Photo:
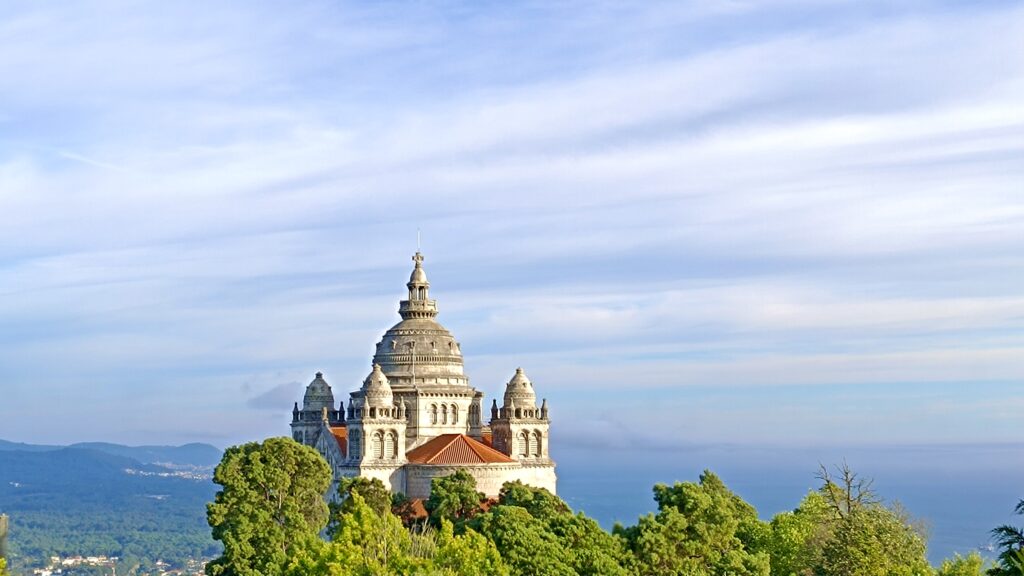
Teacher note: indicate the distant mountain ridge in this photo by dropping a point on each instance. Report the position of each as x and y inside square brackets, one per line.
[144, 502]
[194, 454]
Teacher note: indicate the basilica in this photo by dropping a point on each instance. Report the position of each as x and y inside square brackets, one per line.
[416, 417]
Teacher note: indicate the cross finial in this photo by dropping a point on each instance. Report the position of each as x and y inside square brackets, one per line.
[418, 259]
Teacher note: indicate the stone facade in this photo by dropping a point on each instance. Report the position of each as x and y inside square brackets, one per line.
[417, 418]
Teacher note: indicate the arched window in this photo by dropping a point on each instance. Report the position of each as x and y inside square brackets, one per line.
[390, 445]
[455, 414]
[538, 440]
[433, 413]
[524, 445]
[378, 445]
[444, 413]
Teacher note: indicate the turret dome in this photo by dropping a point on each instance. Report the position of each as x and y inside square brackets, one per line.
[377, 389]
[318, 395]
[519, 391]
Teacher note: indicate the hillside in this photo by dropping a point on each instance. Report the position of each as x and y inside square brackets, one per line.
[77, 500]
[195, 455]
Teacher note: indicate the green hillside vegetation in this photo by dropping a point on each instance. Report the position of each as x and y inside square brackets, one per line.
[269, 516]
[72, 501]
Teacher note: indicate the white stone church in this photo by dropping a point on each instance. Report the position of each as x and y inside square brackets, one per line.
[417, 418]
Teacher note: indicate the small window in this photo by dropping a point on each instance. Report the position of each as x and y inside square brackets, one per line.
[378, 445]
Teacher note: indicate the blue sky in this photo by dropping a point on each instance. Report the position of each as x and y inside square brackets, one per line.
[722, 222]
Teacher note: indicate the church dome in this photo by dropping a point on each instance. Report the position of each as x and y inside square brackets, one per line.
[318, 395]
[419, 275]
[419, 347]
[519, 391]
[377, 389]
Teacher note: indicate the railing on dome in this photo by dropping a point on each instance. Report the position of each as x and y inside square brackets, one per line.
[389, 358]
[417, 308]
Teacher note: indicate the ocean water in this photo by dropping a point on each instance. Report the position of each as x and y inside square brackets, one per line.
[960, 492]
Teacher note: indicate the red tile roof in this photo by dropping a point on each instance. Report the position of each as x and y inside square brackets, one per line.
[340, 434]
[487, 438]
[456, 449]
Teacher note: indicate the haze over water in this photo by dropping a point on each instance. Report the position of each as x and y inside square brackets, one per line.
[960, 492]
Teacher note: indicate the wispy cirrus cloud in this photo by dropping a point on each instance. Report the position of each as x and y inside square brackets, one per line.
[754, 194]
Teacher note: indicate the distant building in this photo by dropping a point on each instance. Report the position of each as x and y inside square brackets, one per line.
[417, 418]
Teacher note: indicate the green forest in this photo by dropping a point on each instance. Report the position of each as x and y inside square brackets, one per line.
[270, 517]
[79, 501]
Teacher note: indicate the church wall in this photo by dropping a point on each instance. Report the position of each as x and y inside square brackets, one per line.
[539, 476]
[392, 477]
[489, 477]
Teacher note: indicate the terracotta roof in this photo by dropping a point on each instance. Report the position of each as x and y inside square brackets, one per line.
[487, 439]
[414, 509]
[456, 449]
[340, 434]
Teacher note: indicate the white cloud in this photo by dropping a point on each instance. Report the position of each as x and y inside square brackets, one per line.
[221, 197]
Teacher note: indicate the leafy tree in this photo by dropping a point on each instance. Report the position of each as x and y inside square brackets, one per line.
[796, 537]
[971, 565]
[312, 556]
[591, 550]
[453, 498]
[845, 530]
[379, 541]
[540, 503]
[525, 544]
[374, 493]
[468, 554]
[1010, 540]
[3, 567]
[700, 529]
[271, 500]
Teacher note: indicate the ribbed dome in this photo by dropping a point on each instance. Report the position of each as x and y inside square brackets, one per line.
[318, 395]
[519, 391]
[377, 389]
[418, 345]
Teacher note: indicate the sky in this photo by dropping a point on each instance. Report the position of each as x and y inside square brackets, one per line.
[737, 222]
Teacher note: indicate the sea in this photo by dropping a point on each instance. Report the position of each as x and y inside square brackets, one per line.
[958, 492]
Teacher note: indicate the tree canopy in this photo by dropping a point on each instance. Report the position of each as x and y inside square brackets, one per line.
[454, 498]
[844, 529]
[270, 515]
[271, 500]
[700, 529]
